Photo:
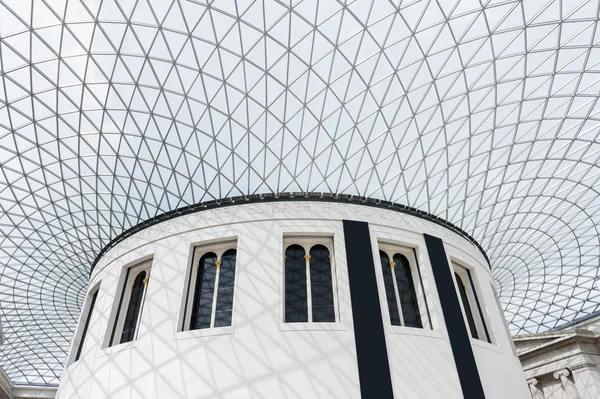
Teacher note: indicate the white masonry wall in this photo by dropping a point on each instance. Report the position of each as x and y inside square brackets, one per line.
[260, 356]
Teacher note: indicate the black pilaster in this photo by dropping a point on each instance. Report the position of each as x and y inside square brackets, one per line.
[460, 340]
[371, 350]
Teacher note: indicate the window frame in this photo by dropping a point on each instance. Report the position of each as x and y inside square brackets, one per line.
[410, 252]
[129, 275]
[199, 250]
[504, 323]
[397, 236]
[308, 240]
[85, 317]
[473, 296]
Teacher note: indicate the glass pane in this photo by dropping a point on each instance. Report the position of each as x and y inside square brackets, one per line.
[480, 311]
[323, 314]
[390, 295]
[296, 305]
[466, 306]
[203, 292]
[133, 310]
[225, 291]
[223, 318]
[406, 290]
[321, 285]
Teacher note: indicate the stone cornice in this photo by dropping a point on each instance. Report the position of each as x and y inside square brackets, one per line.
[577, 337]
[553, 334]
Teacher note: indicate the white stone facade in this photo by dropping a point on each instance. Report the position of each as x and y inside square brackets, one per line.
[563, 364]
[260, 356]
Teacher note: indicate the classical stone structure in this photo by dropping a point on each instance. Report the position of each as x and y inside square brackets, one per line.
[563, 363]
[10, 391]
[5, 386]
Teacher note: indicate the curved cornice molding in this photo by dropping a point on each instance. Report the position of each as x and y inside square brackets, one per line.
[287, 196]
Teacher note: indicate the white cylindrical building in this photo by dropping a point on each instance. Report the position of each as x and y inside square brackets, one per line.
[293, 298]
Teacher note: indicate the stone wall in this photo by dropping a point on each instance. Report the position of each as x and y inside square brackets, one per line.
[5, 386]
[561, 364]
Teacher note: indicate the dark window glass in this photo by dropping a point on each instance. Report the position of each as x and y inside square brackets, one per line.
[487, 333]
[406, 290]
[203, 292]
[86, 325]
[134, 308]
[321, 285]
[466, 306]
[225, 290]
[390, 294]
[296, 307]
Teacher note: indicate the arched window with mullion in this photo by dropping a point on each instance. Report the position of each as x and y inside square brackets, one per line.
[406, 291]
[296, 301]
[321, 285]
[204, 292]
[131, 303]
[134, 308]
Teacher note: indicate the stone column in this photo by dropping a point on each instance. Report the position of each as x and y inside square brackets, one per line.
[5, 386]
[567, 383]
[535, 387]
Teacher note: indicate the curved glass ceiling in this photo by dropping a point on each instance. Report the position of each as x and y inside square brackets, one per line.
[484, 113]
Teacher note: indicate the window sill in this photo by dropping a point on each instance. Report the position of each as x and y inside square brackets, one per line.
[485, 345]
[414, 331]
[111, 350]
[203, 332]
[312, 326]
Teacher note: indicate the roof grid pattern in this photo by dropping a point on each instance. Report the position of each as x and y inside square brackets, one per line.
[484, 113]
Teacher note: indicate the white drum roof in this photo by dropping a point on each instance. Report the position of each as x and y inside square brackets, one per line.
[111, 112]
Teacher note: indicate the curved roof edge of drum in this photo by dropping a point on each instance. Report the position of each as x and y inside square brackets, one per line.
[281, 197]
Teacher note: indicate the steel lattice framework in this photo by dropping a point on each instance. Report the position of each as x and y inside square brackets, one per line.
[484, 113]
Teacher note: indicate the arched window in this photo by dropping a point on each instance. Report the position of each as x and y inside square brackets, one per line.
[226, 283]
[390, 291]
[400, 292]
[466, 306]
[134, 308]
[209, 300]
[204, 292]
[87, 323]
[296, 304]
[406, 292]
[321, 285]
[309, 290]
[131, 303]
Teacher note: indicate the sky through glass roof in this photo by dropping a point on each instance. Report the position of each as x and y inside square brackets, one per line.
[111, 112]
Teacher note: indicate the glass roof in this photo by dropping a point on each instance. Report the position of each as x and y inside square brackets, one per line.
[484, 113]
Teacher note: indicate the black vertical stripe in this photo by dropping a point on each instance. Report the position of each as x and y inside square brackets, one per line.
[373, 364]
[457, 330]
